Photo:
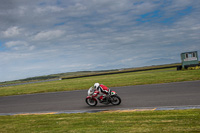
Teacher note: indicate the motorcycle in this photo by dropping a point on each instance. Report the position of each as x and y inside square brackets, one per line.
[92, 99]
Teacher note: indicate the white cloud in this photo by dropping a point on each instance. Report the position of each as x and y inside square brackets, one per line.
[48, 9]
[19, 45]
[143, 7]
[180, 4]
[48, 35]
[12, 32]
[77, 10]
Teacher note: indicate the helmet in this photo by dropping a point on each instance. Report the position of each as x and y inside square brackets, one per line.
[96, 85]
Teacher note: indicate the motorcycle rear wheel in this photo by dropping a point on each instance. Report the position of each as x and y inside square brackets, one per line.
[91, 101]
[115, 100]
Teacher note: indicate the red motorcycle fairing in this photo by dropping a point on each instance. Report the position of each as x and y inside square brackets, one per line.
[95, 94]
[88, 97]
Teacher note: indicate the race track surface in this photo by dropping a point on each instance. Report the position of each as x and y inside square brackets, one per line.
[139, 96]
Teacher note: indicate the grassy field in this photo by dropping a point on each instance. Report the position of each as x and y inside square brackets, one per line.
[130, 122]
[85, 73]
[114, 80]
[142, 121]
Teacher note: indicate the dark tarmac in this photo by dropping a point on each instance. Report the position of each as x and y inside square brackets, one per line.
[160, 96]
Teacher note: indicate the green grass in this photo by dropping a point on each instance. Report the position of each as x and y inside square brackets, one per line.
[85, 73]
[144, 121]
[113, 80]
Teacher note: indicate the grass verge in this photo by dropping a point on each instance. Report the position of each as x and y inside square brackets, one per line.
[144, 121]
[114, 80]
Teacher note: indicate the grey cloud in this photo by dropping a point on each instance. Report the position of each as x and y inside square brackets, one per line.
[45, 36]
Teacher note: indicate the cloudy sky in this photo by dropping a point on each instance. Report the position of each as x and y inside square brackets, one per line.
[41, 37]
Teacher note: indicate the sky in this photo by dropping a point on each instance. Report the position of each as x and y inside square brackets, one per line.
[42, 37]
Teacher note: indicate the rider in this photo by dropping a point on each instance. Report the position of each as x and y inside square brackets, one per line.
[103, 90]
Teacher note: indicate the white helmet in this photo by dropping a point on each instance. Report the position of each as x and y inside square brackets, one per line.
[96, 85]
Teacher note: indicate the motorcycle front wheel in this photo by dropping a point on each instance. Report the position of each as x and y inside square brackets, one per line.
[91, 101]
[115, 100]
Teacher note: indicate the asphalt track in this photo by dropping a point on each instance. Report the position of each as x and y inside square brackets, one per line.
[177, 94]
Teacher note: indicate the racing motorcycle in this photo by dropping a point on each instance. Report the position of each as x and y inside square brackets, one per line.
[92, 99]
